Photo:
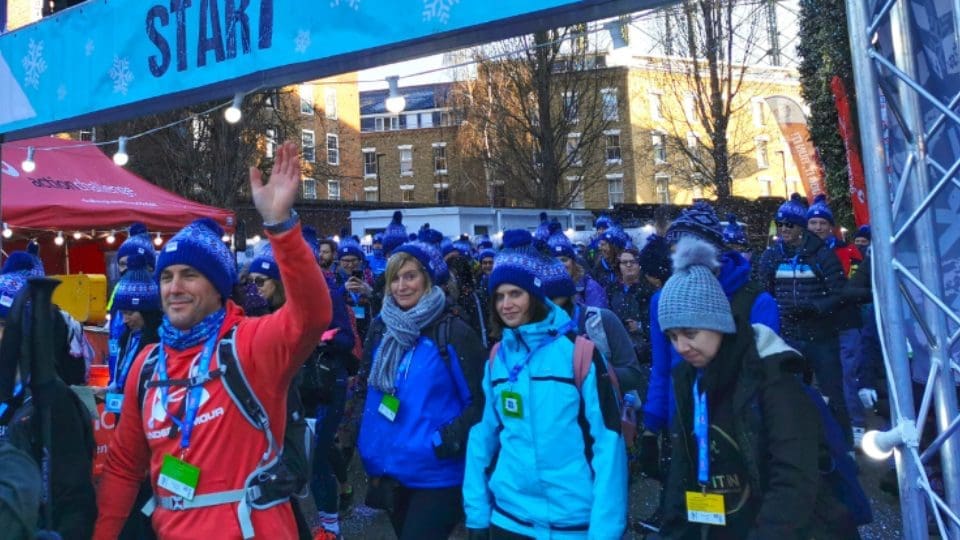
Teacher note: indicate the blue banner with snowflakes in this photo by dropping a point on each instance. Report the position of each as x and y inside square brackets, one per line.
[105, 60]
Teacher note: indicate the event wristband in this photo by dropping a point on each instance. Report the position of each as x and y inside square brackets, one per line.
[283, 226]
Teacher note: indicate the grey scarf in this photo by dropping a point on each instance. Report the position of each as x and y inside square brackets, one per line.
[402, 332]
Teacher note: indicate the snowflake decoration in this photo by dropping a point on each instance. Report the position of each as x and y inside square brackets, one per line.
[438, 9]
[121, 75]
[355, 4]
[61, 92]
[302, 43]
[33, 64]
[88, 48]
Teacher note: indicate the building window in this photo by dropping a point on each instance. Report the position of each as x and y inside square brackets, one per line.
[439, 158]
[765, 185]
[270, 142]
[394, 123]
[333, 149]
[611, 107]
[369, 162]
[697, 191]
[570, 107]
[662, 183]
[426, 120]
[613, 148]
[576, 196]
[443, 196]
[306, 99]
[370, 195]
[573, 149]
[690, 107]
[88, 134]
[759, 113]
[659, 148]
[412, 120]
[793, 184]
[330, 103]
[272, 99]
[656, 105]
[498, 194]
[693, 147]
[763, 159]
[378, 123]
[406, 195]
[615, 189]
[308, 143]
[406, 160]
[310, 189]
[333, 190]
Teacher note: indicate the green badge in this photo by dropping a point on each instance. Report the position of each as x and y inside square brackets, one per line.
[389, 406]
[178, 477]
[512, 404]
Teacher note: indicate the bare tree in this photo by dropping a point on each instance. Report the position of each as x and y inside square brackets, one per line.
[533, 116]
[207, 159]
[709, 45]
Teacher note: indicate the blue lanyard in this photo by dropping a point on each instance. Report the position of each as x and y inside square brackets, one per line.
[701, 429]
[16, 392]
[193, 393]
[514, 371]
[133, 343]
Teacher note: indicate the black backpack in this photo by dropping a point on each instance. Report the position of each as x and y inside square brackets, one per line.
[287, 476]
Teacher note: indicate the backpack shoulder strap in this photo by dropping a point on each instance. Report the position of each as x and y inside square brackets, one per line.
[146, 372]
[237, 385]
[741, 303]
[440, 334]
[582, 358]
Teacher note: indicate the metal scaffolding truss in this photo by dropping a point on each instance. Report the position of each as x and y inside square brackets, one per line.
[905, 67]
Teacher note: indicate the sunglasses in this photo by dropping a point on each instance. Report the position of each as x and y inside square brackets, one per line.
[785, 225]
[260, 281]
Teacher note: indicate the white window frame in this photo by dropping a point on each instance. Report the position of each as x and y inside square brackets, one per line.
[615, 196]
[333, 189]
[766, 185]
[309, 152]
[406, 193]
[413, 120]
[437, 189]
[442, 147]
[610, 115]
[379, 123]
[330, 103]
[333, 151]
[571, 109]
[690, 107]
[309, 186]
[793, 184]
[759, 114]
[426, 120]
[661, 183]
[371, 195]
[270, 142]
[406, 165]
[658, 140]
[574, 150]
[693, 145]
[619, 146]
[89, 134]
[762, 152]
[394, 122]
[366, 152]
[306, 99]
[579, 201]
[655, 97]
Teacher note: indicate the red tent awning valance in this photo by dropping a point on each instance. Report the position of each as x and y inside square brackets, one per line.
[76, 186]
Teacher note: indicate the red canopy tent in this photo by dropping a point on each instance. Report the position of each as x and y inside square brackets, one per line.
[75, 186]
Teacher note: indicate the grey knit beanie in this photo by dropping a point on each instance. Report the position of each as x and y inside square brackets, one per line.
[692, 297]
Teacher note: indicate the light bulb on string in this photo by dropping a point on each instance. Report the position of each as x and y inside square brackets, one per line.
[395, 103]
[59, 239]
[225, 238]
[233, 112]
[158, 240]
[77, 235]
[28, 164]
[112, 237]
[256, 239]
[7, 232]
[121, 158]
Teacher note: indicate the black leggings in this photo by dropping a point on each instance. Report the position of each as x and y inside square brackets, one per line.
[426, 514]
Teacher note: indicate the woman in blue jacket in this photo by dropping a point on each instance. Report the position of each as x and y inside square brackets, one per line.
[425, 366]
[557, 457]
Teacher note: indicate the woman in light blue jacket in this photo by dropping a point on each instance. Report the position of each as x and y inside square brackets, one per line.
[560, 465]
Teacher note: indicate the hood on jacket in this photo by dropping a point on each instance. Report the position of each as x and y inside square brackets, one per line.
[734, 272]
[531, 336]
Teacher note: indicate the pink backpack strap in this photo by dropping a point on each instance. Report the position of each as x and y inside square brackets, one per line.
[582, 358]
[493, 354]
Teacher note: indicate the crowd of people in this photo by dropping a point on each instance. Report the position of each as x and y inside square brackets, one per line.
[515, 390]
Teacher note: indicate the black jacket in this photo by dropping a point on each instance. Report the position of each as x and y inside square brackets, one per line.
[633, 303]
[765, 438]
[807, 284]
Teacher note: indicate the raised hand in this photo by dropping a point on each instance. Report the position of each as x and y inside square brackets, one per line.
[275, 198]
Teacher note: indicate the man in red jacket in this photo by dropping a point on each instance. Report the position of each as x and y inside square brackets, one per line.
[188, 435]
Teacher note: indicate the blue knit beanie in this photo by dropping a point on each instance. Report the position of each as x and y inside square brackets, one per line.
[395, 233]
[654, 258]
[137, 290]
[793, 211]
[430, 235]
[446, 247]
[483, 242]
[464, 246]
[349, 246]
[542, 233]
[700, 221]
[138, 242]
[429, 258]
[24, 263]
[616, 236]
[603, 221]
[557, 281]
[733, 233]
[200, 245]
[524, 270]
[693, 297]
[265, 264]
[820, 209]
[559, 245]
[518, 241]
[10, 285]
[863, 232]
[488, 253]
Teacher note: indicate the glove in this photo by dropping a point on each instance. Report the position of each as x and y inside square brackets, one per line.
[868, 396]
[478, 534]
[649, 455]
